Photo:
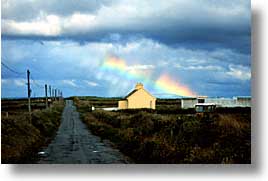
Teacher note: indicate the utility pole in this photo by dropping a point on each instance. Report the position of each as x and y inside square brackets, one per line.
[50, 100]
[55, 94]
[58, 94]
[52, 94]
[29, 94]
[50, 91]
[46, 95]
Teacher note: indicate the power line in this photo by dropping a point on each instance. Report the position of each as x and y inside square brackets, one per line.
[10, 69]
[37, 71]
[38, 85]
[30, 79]
[35, 82]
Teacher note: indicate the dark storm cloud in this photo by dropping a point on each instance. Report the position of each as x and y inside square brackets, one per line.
[196, 24]
[203, 44]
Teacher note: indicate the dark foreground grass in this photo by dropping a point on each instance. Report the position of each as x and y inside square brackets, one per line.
[153, 137]
[22, 138]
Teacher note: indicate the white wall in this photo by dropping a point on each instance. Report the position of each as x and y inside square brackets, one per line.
[220, 102]
[188, 103]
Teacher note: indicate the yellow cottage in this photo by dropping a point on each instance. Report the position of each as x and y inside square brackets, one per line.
[138, 98]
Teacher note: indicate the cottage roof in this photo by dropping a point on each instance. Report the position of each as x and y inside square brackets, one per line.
[132, 92]
[138, 87]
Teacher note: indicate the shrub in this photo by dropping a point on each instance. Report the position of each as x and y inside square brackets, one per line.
[172, 135]
[142, 123]
[21, 138]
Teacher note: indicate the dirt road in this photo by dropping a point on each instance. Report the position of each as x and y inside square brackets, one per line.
[74, 143]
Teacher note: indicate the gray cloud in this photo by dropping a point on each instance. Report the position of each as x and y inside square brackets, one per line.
[196, 24]
[205, 45]
[75, 65]
[28, 10]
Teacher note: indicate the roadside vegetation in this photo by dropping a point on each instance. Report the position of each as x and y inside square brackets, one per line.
[21, 138]
[174, 135]
[99, 102]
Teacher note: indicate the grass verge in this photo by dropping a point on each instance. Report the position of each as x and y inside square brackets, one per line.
[22, 138]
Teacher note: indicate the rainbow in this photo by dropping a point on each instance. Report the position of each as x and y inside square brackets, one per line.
[164, 82]
[115, 63]
[119, 66]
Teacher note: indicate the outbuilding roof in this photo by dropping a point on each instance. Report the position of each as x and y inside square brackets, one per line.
[205, 104]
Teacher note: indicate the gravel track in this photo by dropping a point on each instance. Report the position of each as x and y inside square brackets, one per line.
[75, 144]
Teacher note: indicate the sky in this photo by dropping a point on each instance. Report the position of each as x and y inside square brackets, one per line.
[104, 47]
